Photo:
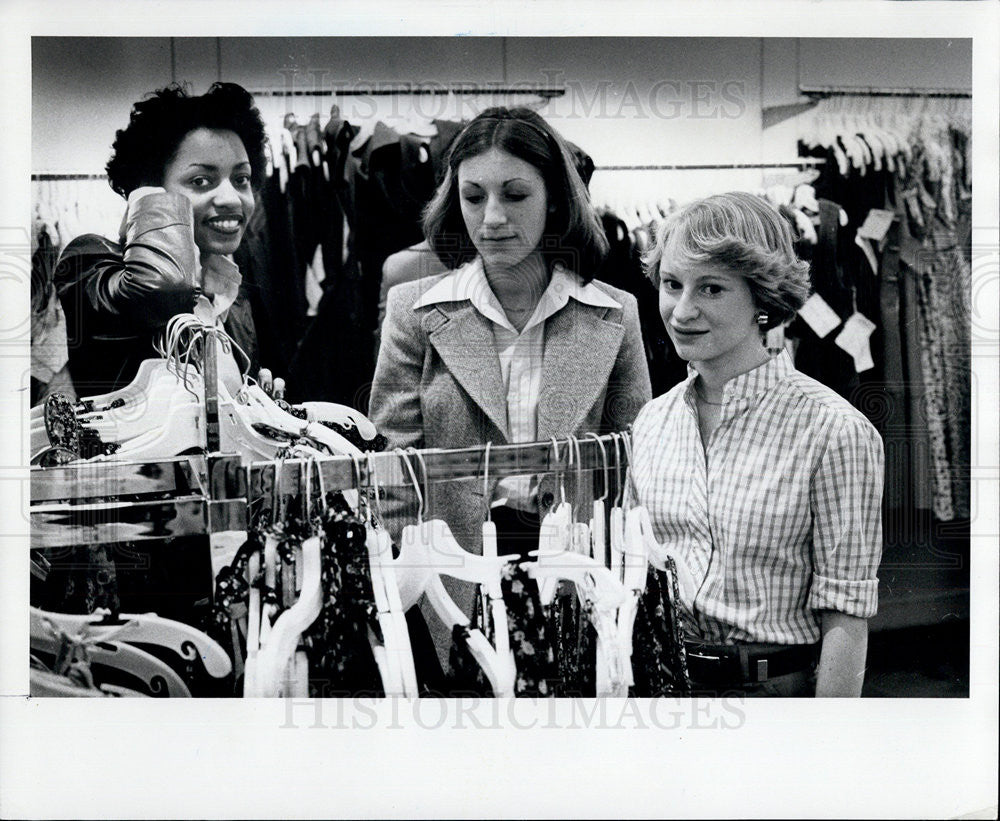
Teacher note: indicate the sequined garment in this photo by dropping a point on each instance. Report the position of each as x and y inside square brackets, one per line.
[659, 662]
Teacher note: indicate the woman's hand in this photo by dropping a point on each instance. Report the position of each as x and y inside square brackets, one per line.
[841, 670]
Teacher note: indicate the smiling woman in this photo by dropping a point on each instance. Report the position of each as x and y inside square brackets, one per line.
[212, 170]
[187, 167]
[765, 484]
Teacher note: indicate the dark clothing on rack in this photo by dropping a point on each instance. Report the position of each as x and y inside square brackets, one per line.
[820, 358]
[623, 268]
[659, 662]
[439, 144]
[169, 577]
[918, 393]
[266, 260]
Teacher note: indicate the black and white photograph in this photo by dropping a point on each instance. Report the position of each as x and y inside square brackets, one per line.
[616, 385]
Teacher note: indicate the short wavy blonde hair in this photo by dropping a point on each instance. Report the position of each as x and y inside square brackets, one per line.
[742, 232]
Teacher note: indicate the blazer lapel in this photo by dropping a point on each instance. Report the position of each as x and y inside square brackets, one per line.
[464, 340]
[580, 351]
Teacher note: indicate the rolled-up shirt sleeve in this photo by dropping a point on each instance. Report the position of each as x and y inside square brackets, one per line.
[846, 499]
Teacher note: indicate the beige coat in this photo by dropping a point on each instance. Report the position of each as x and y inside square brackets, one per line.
[438, 385]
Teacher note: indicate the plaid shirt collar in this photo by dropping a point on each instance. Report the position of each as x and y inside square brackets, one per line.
[749, 385]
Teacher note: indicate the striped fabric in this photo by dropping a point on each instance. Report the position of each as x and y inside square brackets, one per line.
[780, 518]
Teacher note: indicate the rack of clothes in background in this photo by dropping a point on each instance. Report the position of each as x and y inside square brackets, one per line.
[314, 598]
[64, 206]
[890, 326]
[351, 172]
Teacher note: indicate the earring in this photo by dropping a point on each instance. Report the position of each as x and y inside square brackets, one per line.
[761, 318]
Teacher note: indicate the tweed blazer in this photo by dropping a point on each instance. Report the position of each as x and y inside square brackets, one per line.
[438, 384]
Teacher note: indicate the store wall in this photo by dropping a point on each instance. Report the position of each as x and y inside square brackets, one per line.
[633, 101]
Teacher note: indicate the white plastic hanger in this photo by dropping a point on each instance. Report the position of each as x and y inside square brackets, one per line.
[279, 644]
[598, 525]
[157, 675]
[148, 628]
[419, 549]
[399, 679]
[341, 415]
[640, 531]
[603, 594]
[616, 519]
[556, 532]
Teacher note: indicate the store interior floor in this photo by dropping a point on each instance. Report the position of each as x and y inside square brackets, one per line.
[919, 662]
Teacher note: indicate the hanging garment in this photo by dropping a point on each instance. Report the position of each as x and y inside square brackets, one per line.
[531, 639]
[575, 644]
[263, 266]
[341, 659]
[818, 357]
[659, 662]
[170, 577]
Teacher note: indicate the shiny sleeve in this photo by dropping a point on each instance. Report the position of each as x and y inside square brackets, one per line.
[628, 386]
[146, 280]
[846, 501]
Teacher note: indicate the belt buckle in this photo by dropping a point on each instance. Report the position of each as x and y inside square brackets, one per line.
[761, 670]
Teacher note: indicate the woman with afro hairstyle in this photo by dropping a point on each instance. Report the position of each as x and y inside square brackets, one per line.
[187, 167]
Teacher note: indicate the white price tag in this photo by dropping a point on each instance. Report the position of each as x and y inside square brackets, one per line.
[819, 316]
[854, 339]
[876, 224]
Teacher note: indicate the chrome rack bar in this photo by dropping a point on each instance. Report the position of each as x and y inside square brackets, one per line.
[872, 91]
[389, 89]
[798, 163]
[343, 472]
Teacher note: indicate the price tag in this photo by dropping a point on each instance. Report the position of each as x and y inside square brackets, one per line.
[876, 224]
[854, 339]
[819, 316]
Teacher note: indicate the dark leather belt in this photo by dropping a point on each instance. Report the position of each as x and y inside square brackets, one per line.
[740, 664]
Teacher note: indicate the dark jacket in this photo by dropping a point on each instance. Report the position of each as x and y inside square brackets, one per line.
[117, 297]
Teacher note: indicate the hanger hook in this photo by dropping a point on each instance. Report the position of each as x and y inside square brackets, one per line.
[373, 478]
[486, 482]
[578, 457]
[627, 444]
[306, 478]
[279, 466]
[558, 469]
[404, 456]
[322, 485]
[358, 484]
[619, 496]
[423, 470]
[604, 463]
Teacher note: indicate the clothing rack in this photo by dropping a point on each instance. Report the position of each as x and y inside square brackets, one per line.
[389, 469]
[870, 91]
[110, 501]
[804, 162]
[45, 177]
[416, 89]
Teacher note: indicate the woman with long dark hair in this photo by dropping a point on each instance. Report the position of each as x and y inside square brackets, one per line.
[517, 342]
